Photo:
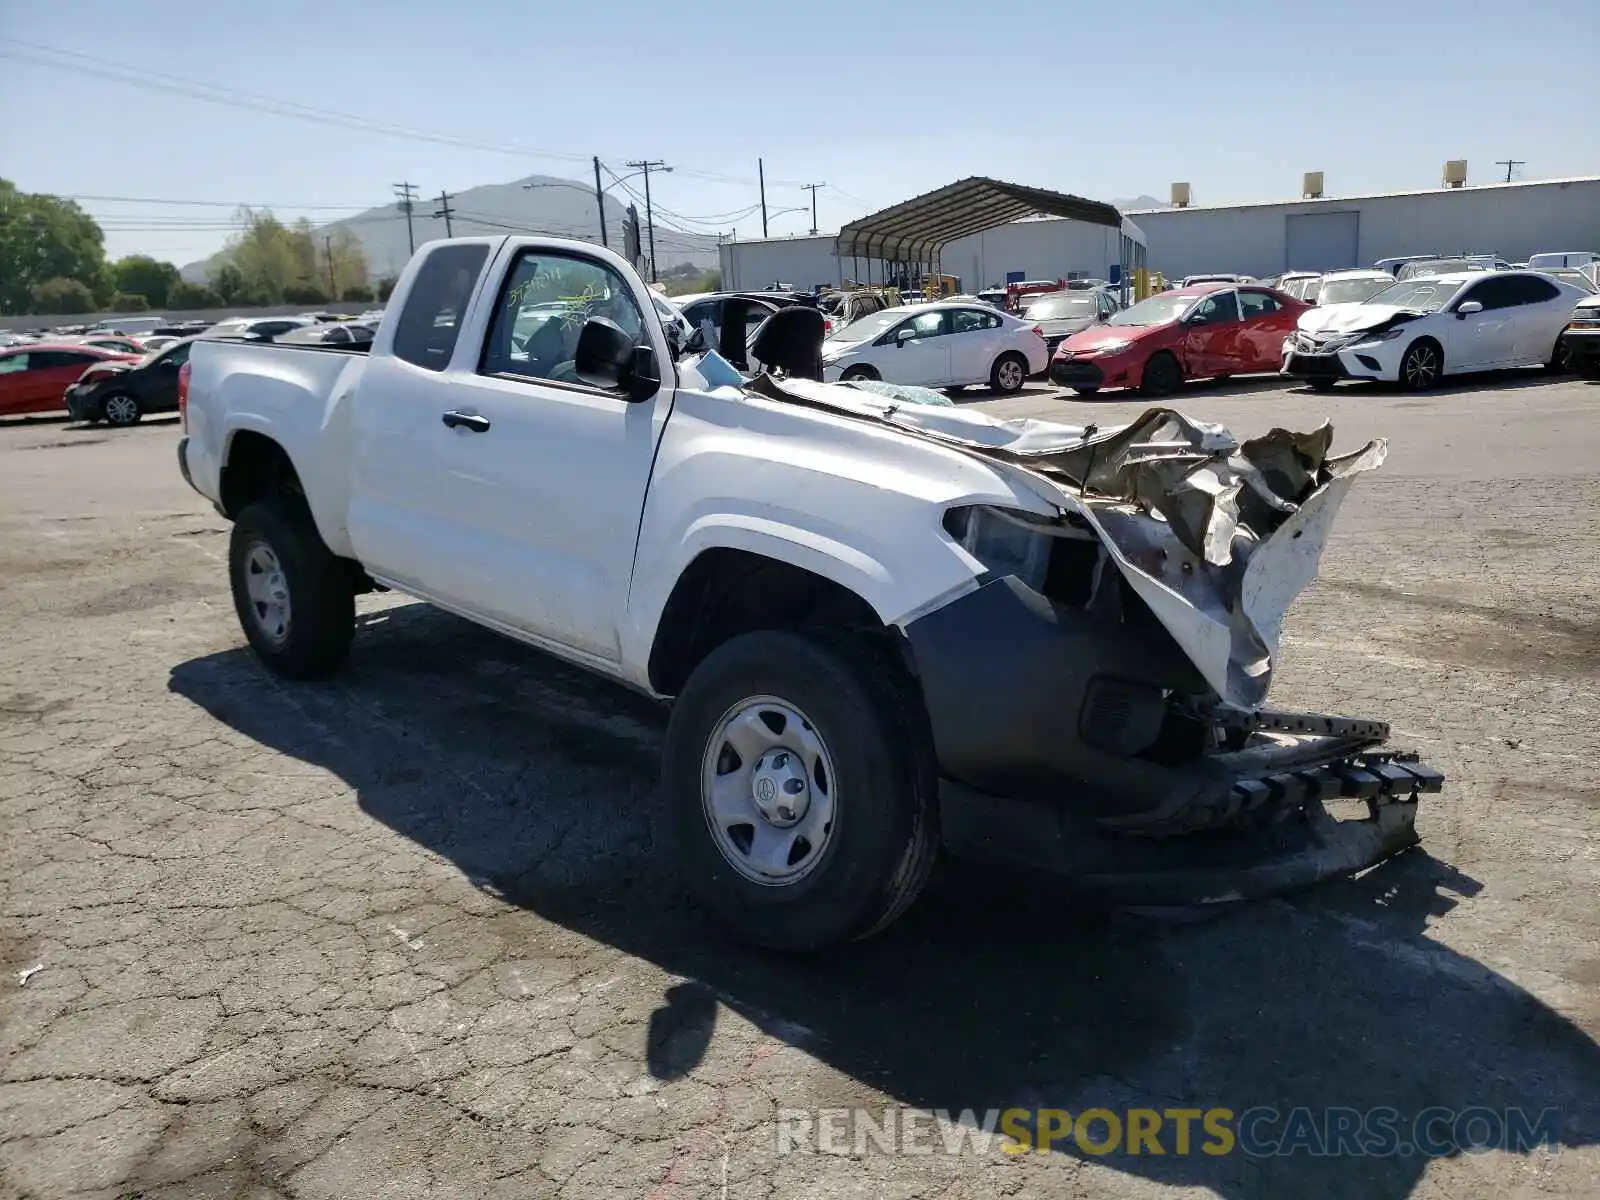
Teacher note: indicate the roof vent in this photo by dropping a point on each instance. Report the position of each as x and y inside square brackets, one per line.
[1455, 173]
[1180, 195]
[1311, 185]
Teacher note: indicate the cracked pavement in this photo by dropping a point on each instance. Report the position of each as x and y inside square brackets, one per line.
[412, 932]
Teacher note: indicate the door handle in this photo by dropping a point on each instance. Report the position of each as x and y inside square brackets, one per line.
[455, 419]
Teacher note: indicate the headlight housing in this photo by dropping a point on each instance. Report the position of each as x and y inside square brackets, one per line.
[1007, 541]
[1388, 335]
[1106, 348]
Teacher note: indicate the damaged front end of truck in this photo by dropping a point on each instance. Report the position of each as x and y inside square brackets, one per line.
[1097, 701]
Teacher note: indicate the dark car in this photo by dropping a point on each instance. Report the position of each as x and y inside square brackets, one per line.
[120, 393]
[749, 310]
[345, 334]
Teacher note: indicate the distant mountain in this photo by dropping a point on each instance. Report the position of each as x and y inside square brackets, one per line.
[537, 204]
[1139, 201]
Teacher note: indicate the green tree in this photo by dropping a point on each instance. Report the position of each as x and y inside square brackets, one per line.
[142, 275]
[43, 239]
[232, 288]
[60, 296]
[269, 256]
[357, 295]
[184, 296]
[129, 302]
[304, 293]
[385, 288]
[343, 262]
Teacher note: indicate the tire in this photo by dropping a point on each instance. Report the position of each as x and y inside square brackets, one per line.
[871, 772]
[859, 373]
[121, 409]
[1162, 375]
[310, 637]
[1422, 365]
[1320, 385]
[1087, 391]
[1009, 373]
[1560, 359]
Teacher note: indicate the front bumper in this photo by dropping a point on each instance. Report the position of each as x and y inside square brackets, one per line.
[1076, 372]
[1062, 747]
[83, 402]
[1360, 360]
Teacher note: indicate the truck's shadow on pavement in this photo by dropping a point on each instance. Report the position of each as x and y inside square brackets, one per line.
[540, 784]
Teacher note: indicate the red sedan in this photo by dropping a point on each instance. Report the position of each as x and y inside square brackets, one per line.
[34, 378]
[1208, 330]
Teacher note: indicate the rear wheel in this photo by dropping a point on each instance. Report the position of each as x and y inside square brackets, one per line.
[121, 409]
[1162, 375]
[1009, 373]
[801, 794]
[292, 594]
[1422, 365]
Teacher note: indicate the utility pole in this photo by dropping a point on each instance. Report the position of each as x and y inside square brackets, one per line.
[327, 246]
[761, 174]
[444, 210]
[1509, 164]
[649, 213]
[812, 188]
[406, 193]
[600, 202]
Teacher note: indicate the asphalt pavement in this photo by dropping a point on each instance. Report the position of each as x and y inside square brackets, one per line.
[414, 931]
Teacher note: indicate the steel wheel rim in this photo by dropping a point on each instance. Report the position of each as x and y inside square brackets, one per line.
[767, 788]
[1010, 374]
[268, 591]
[1420, 366]
[120, 410]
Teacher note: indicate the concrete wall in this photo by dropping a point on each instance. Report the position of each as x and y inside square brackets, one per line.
[30, 323]
[1042, 249]
[1512, 220]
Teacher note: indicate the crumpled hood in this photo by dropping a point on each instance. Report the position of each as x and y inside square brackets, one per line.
[1347, 318]
[1098, 335]
[1216, 535]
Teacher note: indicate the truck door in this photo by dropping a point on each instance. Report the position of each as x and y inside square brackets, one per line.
[503, 484]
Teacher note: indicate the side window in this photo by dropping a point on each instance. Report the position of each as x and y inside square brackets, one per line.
[928, 324]
[1257, 304]
[430, 321]
[44, 360]
[13, 364]
[1530, 290]
[542, 308]
[967, 320]
[178, 355]
[1492, 294]
[1217, 309]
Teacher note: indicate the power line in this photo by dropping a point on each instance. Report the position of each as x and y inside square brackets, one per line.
[110, 70]
[206, 203]
[1509, 164]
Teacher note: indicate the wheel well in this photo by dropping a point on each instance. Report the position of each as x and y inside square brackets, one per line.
[725, 592]
[256, 466]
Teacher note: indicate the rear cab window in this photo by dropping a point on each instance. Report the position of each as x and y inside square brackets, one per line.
[430, 321]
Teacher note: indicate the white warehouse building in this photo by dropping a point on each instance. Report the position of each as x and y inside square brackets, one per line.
[1032, 248]
[1513, 220]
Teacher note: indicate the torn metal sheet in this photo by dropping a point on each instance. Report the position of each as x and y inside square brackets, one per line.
[1216, 536]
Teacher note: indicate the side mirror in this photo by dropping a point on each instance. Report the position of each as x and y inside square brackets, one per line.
[903, 336]
[1468, 308]
[674, 332]
[641, 378]
[604, 353]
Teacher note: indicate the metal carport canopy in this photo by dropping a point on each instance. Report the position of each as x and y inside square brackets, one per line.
[915, 230]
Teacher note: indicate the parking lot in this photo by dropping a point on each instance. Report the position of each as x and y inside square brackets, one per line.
[413, 931]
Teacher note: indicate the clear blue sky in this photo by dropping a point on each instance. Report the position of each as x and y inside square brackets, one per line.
[879, 100]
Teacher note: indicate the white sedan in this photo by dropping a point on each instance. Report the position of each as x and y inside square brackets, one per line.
[1418, 330]
[937, 345]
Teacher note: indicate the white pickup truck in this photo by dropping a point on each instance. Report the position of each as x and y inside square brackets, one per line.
[882, 625]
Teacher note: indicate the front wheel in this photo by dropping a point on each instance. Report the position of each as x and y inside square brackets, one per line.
[1560, 362]
[292, 594]
[800, 792]
[1009, 373]
[1421, 367]
[855, 373]
[1162, 375]
[121, 409]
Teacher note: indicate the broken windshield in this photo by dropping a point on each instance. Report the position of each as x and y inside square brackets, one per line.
[1418, 295]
